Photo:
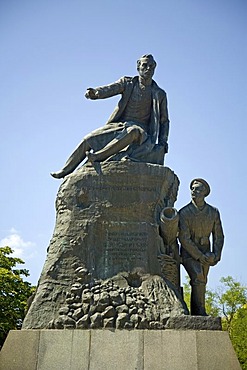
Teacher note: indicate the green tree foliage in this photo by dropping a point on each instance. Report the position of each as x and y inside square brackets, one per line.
[212, 307]
[14, 292]
[186, 292]
[231, 298]
[238, 335]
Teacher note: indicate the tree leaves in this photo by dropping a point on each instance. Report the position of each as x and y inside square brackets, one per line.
[14, 292]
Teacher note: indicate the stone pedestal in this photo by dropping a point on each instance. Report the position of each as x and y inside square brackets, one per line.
[104, 269]
[119, 349]
[106, 224]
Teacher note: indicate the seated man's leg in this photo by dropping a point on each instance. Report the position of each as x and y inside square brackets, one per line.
[131, 135]
[74, 160]
[96, 139]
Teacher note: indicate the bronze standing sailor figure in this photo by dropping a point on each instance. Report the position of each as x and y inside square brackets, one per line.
[198, 221]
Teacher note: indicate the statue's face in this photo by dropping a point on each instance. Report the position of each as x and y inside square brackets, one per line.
[198, 191]
[146, 68]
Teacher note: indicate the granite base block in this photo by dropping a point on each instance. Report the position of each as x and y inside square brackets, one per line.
[118, 349]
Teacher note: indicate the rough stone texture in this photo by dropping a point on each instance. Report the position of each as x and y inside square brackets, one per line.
[118, 349]
[106, 224]
[194, 323]
[126, 301]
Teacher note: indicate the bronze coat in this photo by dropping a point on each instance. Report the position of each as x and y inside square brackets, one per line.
[159, 122]
[195, 229]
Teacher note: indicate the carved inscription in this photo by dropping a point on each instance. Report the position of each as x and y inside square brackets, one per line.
[126, 249]
[111, 187]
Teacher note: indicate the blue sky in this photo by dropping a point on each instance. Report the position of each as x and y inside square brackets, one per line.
[52, 50]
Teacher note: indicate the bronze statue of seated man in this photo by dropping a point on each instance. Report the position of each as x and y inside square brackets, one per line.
[137, 129]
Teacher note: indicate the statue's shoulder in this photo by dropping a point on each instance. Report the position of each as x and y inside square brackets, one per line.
[128, 79]
[185, 209]
[212, 209]
[158, 89]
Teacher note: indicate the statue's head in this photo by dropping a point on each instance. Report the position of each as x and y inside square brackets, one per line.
[199, 189]
[146, 66]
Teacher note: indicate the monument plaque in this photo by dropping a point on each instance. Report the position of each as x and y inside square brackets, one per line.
[128, 246]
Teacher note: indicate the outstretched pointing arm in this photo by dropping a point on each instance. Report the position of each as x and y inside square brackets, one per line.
[107, 91]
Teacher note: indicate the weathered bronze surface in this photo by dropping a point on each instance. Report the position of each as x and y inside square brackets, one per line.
[137, 129]
[106, 265]
[198, 221]
[113, 261]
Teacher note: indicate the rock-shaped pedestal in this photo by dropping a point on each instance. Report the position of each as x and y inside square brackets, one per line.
[106, 224]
